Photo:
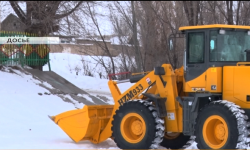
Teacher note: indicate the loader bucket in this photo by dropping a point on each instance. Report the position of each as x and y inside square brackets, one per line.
[85, 123]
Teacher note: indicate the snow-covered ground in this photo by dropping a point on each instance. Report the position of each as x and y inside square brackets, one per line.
[25, 106]
[24, 122]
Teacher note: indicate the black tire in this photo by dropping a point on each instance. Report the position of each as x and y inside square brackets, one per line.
[154, 125]
[175, 143]
[235, 120]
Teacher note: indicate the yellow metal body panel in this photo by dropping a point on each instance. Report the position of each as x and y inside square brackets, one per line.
[212, 76]
[231, 81]
[195, 84]
[179, 73]
[214, 26]
[170, 91]
[235, 85]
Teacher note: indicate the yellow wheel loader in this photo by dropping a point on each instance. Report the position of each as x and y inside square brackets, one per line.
[207, 100]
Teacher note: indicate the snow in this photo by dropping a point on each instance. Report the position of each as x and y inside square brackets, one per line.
[86, 97]
[24, 116]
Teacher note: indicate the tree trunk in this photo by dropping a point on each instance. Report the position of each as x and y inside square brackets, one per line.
[192, 10]
[229, 5]
[135, 40]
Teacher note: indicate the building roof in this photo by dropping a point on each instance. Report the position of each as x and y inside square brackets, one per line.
[214, 26]
[11, 16]
[12, 23]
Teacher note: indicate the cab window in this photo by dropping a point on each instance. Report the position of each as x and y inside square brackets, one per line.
[196, 47]
[229, 46]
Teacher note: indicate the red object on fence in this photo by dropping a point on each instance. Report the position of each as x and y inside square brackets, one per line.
[113, 74]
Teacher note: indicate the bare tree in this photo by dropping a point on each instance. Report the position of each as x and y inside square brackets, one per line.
[192, 10]
[41, 16]
[135, 39]
[149, 31]
[128, 14]
[228, 13]
[168, 14]
[122, 31]
[244, 11]
[88, 11]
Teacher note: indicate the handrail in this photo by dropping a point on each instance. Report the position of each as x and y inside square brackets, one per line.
[140, 73]
[243, 63]
[113, 74]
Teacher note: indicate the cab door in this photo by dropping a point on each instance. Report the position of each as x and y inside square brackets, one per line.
[195, 74]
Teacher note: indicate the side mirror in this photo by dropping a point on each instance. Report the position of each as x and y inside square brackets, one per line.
[185, 60]
[172, 39]
[170, 44]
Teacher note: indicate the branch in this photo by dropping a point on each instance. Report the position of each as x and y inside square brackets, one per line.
[124, 14]
[59, 16]
[53, 7]
[198, 3]
[221, 10]
[238, 9]
[105, 47]
[186, 10]
[18, 11]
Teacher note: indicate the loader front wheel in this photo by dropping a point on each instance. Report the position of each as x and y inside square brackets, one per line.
[136, 125]
[221, 125]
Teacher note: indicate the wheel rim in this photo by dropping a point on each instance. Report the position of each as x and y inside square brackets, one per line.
[172, 135]
[133, 128]
[215, 132]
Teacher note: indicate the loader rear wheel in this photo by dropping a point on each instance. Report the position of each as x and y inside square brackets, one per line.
[174, 140]
[136, 125]
[221, 125]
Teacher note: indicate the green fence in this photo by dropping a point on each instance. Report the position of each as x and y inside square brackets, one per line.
[33, 55]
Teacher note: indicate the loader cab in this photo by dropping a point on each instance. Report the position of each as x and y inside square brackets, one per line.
[208, 49]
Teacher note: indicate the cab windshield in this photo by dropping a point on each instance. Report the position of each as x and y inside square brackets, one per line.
[230, 46]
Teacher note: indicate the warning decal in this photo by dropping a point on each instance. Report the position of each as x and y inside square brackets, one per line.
[148, 80]
[171, 116]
